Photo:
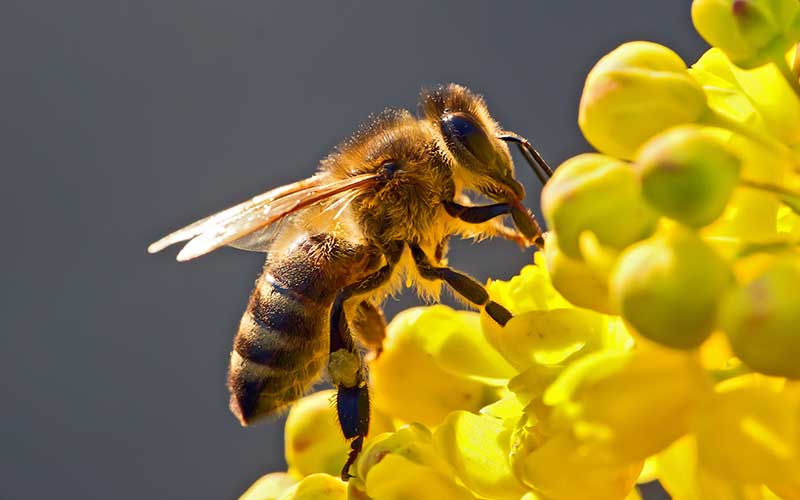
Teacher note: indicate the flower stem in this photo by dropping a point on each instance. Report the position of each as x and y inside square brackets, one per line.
[770, 188]
[788, 74]
[716, 119]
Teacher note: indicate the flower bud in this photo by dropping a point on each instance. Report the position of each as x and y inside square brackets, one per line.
[269, 487]
[576, 280]
[313, 439]
[596, 193]
[687, 174]
[750, 32]
[762, 320]
[668, 287]
[635, 92]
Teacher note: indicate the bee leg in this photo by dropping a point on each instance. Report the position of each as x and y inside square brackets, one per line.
[476, 214]
[523, 219]
[346, 368]
[352, 406]
[369, 327]
[464, 285]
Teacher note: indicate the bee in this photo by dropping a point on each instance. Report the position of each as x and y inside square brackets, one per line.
[376, 216]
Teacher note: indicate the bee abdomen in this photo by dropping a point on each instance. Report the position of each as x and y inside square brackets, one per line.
[279, 350]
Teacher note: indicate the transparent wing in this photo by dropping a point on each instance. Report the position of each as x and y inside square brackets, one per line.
[247, 225]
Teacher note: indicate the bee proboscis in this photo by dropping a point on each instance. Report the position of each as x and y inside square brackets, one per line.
[377, 214]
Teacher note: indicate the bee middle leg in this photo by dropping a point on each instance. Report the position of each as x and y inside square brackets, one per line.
[369, 326]
[346, 368]
[464, 285]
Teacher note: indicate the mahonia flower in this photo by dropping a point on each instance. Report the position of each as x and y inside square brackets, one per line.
[654, 338]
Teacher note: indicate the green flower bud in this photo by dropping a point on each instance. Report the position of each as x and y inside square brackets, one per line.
[668, 287]
[750, 32]
[688, 175]
[596, 193]
[635, 92]
[762, 320]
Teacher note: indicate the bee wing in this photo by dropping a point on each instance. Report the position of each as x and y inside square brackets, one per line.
[237, 225]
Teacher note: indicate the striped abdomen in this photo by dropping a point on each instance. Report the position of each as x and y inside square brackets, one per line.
[282, 342]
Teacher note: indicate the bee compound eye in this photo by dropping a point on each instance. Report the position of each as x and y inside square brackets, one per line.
[388, 169]
[460, 128]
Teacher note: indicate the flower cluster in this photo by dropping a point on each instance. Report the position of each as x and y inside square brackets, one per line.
[657, 336]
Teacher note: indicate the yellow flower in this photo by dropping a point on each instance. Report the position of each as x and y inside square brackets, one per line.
[556, 468]
[749, 432]
[621, 407]
[477, 446]
[439, 359]
[750, 32]
[403, 465]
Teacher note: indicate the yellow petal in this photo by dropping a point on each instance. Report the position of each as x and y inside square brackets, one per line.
[477, 447]
[558, 470]
[397, 478]
[269, 487]
[685, 479]
[750, 434]
[317, 487]
[625, 406]
[408, 370]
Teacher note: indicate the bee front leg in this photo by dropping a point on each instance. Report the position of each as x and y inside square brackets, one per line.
[346, 368]
[528, 229]
[464, 285]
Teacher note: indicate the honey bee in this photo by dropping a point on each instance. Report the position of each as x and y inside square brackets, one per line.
[377, 215]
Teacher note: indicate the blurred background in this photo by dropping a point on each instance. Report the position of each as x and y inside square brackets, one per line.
[121, 121]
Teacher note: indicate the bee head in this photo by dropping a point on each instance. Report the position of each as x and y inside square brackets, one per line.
[470, 137]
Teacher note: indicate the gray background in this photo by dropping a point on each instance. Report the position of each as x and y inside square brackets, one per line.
[120, 121]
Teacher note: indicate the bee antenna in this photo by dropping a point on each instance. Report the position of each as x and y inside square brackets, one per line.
[534, 159]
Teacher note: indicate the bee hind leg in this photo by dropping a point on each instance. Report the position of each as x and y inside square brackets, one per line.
[464, 285]
[346, 368]
[352, 406]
